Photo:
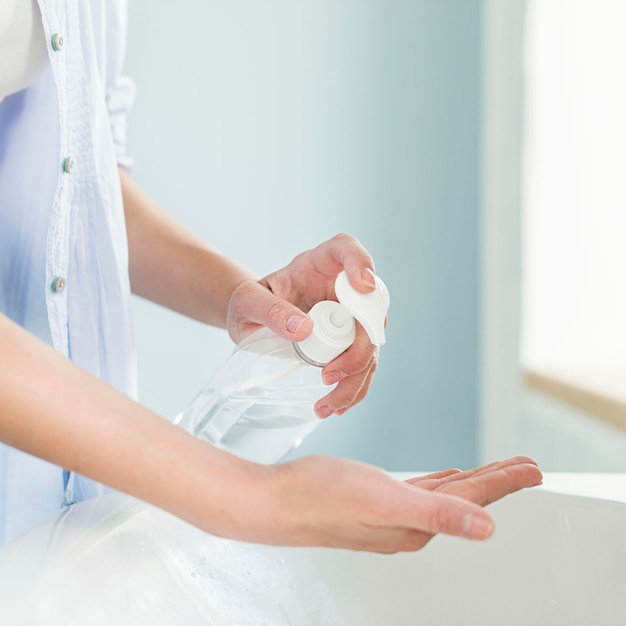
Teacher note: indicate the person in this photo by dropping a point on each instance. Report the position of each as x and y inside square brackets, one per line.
[77, 236]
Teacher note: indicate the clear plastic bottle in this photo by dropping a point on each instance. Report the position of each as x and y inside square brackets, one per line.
[260, 403]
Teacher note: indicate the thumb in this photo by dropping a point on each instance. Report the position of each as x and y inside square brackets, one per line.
[437, 512]
[253, 304]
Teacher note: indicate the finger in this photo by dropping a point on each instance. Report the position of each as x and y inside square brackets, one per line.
[354, 370]
[435, 512]
[463, 475]
[345, 252]
[492, 467]
[344, 395]
[516, 460]
[355, 360]
[392, 541]
[487, 487]
[430, 481]
[436, 475]
[414, 540]
[252, 303]
[365, 388]
[433, 481]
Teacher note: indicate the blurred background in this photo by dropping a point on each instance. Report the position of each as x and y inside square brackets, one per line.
[419, 126]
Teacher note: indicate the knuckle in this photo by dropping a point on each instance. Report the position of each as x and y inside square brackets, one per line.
[275, 313]
[441, 519]
[362, 359]
[340, 398]
[344, 238]
[360, 363]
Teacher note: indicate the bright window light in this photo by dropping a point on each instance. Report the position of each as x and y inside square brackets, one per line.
[574, 188]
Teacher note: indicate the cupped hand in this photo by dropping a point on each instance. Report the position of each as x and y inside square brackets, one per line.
[339, 503]
[282, 299]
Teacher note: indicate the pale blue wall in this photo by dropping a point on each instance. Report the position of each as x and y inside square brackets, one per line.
[269, 126]
[563, 439]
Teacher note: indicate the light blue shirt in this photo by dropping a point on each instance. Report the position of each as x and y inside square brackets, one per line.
[63, 246]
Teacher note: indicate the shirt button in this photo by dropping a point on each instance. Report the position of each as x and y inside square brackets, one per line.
[58, 284]
[57, 42]
[68, 164]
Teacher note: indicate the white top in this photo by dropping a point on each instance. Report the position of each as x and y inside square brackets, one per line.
[63, 248]
[22, 45]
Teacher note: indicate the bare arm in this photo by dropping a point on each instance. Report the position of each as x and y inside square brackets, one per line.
[173, 267]
[51, 408]
[170, 265]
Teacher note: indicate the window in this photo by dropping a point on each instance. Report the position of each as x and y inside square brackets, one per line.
[574, 203]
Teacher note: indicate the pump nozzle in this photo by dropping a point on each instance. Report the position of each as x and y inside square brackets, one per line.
[333, 322]
[369, 309]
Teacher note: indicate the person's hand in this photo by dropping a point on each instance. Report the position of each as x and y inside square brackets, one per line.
[337, 503]
[281, 299]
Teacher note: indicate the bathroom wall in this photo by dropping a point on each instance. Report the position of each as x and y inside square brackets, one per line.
[563, 439]
[268, 127]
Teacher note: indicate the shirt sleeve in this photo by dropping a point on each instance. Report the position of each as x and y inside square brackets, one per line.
[120, 89]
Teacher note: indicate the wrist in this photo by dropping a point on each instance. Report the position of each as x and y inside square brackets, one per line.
[228, 496]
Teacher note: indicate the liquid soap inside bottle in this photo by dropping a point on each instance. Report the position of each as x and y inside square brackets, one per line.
[260, 403]
[264, 386]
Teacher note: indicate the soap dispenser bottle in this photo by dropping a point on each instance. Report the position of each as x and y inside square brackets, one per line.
[259, 405]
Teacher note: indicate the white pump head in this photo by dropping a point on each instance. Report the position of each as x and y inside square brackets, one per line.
[333, 332]
[369, 309]
[333, 322]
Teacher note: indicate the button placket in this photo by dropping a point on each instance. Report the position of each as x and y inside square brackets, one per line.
[58, 284]
[58, 42]
[59, 24]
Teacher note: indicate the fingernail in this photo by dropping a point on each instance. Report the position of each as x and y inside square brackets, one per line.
[368, 277]
[476, 526]
[294, 322]
[324, 411]
[330, 378]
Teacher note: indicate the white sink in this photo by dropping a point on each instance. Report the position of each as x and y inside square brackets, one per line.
[558, 557]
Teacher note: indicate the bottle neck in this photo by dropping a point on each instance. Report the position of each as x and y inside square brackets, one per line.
[304, 358]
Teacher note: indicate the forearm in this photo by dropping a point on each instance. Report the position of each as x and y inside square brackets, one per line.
[172, 266]
[51, 408]
[56, 411]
